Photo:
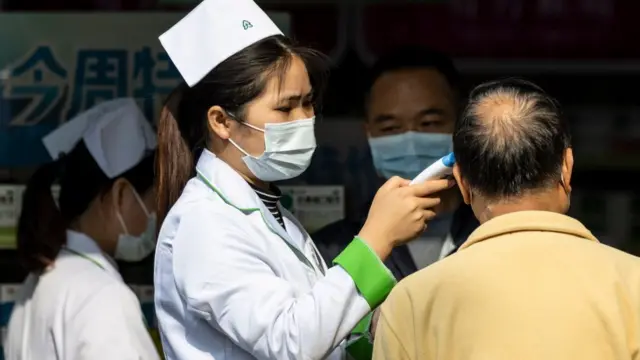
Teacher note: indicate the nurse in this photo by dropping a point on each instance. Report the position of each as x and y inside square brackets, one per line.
[74, 304]
[236, 275]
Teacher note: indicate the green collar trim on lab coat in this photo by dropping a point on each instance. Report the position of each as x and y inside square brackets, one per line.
[77, 253]
[248, 211]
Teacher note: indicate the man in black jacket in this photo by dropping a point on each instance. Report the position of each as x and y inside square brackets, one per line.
[410, 114]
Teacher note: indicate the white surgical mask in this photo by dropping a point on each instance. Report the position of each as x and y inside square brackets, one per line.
[407, 154]
[135, 248]
[288, 149]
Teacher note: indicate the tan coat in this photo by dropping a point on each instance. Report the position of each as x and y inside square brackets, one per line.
[527, 285]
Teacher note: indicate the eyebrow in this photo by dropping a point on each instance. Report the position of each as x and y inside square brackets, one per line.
[383, 117]
[424, 112]
[295, 97]
[431, 111]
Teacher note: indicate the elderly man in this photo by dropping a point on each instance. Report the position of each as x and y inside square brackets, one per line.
[530, 282]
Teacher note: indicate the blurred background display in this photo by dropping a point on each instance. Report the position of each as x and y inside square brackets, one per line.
[583, 52]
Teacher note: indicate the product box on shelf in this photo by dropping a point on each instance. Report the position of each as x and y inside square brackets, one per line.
[3, 339]
[10, 207]
[8, 296]
[10, 201]
[314, 206]
[145, 295]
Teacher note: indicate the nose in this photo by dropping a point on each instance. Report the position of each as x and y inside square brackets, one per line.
[410, 126]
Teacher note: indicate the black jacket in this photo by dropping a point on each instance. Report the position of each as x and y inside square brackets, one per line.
[333, 238]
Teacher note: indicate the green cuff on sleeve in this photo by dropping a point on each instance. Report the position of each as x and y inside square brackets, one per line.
[361, 346]
[372, 278]
[360, 349]
[364, 326]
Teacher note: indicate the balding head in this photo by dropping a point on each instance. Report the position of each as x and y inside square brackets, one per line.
[511, 140]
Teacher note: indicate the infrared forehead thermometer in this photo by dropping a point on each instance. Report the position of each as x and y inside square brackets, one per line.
[437, 170]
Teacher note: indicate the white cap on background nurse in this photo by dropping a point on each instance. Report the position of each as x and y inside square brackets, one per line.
[74, 304]
[236, 275]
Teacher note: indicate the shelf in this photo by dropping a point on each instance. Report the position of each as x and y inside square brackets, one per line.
[548, 66]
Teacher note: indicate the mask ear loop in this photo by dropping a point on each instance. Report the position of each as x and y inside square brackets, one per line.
[142, 205]
[242, 122]
[564, 185]
[234, 117]
[122, 223]
[566, 191]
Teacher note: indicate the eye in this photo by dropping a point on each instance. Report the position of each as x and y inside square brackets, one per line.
[430, 123]
[284, 109]
[390, 128]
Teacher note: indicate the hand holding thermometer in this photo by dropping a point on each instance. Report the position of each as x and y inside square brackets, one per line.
[437, 170]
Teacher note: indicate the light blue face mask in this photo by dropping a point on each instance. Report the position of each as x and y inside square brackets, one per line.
[407, 154]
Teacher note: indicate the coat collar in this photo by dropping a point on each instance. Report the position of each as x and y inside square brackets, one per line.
[236, 192]
[463, 224]
[528, 221]
[82, 245]
[228, 183]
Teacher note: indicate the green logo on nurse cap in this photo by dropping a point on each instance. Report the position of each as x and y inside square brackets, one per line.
[246, 24]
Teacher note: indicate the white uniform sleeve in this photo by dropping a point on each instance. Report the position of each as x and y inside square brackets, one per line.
[110, 326]
[226, 279]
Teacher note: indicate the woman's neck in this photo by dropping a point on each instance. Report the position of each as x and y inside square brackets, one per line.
[94, 227]
[257, 183]
[229, 156]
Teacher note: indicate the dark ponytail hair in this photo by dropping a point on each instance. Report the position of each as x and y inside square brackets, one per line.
[43, 224]
[182, 128]
[41, 230]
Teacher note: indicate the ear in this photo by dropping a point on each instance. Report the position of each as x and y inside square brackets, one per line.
[366, 127]
[462, 185]
[567, 169]
[118, 193]
[219, 122]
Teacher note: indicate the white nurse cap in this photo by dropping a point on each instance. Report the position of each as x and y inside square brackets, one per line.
[116, 133]
[212, 32]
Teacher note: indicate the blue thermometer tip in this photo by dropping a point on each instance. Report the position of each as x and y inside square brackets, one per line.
[449, 160]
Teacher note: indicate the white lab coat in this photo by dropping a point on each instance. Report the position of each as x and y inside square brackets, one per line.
[78, 311]
[228, 284]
